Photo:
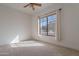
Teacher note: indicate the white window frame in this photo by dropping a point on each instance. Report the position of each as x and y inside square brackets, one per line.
[58, 13]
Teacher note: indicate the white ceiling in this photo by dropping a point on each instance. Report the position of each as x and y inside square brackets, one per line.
[28, 10]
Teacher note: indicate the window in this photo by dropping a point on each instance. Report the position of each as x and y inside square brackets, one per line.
[48, 25]
[51, 25]
[43, 26]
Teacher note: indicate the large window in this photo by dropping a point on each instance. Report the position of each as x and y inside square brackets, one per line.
[48, 25]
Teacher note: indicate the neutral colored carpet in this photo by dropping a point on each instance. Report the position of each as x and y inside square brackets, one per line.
[35, 48]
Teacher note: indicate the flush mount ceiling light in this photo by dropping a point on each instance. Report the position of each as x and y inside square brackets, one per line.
[32, 5]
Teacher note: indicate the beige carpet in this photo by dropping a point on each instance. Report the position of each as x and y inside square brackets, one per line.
[35, 48]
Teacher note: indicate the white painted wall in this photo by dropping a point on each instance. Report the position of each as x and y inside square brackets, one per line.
[14, 25]
[69, 26]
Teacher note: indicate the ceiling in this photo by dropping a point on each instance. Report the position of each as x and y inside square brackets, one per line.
[28, 10]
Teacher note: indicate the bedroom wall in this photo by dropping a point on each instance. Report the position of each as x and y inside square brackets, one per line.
[14, 25]
[69, 26]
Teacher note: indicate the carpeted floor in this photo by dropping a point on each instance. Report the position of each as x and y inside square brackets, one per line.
[35, 48]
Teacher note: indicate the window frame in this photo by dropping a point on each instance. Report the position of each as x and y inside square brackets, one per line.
[58, 17]
[40, 28]
[47, 23]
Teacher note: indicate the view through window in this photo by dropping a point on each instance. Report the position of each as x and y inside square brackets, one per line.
[48, 25]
